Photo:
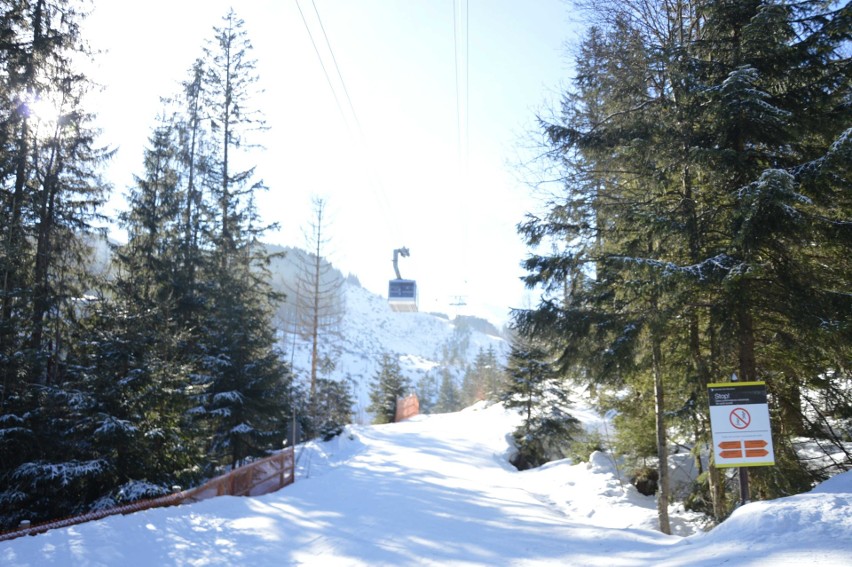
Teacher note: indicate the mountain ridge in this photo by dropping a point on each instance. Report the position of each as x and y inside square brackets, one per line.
[369, 328]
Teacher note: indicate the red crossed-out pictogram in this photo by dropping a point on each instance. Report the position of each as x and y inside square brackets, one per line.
[740, 418]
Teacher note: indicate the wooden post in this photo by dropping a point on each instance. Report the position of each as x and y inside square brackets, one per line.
[743, 471]
[744, 491]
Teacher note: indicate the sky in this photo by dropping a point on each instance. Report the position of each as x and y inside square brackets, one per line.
[438, 490]
[444, 98]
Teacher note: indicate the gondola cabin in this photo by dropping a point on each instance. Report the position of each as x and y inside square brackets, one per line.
[402, 295]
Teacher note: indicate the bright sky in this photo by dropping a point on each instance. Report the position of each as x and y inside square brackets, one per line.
[394, 173]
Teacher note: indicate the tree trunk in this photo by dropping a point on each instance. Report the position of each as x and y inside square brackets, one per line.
[662, 448]
[41, 281]
[747, 363]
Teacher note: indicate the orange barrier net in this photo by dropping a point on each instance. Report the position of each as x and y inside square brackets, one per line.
[260, 477]
[406, 407]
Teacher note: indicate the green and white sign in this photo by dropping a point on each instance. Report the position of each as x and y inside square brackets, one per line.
[739, 420]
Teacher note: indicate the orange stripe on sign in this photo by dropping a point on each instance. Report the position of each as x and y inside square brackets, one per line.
[729, 445]
[755, 444]
[756, 452]
[731, 454]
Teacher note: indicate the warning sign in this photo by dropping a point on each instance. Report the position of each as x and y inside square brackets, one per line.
[739, 418]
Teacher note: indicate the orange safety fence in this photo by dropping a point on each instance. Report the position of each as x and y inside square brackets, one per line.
[257, 478]
[406, 407]
[260, 477]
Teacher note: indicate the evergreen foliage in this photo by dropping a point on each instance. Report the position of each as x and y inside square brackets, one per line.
[691, 239]
[388, 386]
[49, 194]
[548, 430]
[449, 393]
[484, 380]
[333, 404]
[119, 385]
[427, 389]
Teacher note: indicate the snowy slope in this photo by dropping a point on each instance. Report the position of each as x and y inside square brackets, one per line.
[370, 328]
[437, 490]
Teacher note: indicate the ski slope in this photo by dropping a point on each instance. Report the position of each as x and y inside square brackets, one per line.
[438, 490]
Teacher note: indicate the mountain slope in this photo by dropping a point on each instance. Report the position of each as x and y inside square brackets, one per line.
[423, 342]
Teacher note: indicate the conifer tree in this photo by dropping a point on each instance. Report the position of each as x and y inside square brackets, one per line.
[333, 407]
[50, 183]
[690, 222]
[248, 380]
[484, 380]
[50, 191]
[449, 393]
[538, 392]
[427, 388]
[388, 385]
[140, 372]
[194, 154]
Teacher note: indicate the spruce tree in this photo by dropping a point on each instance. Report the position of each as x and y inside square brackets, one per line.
[50, 192]
[138, 368]
[539, 393]
[484, 380]
[692, 214]
[449, 393]
[248, 381]
[333, 407]
[427, 389]
[388, 385]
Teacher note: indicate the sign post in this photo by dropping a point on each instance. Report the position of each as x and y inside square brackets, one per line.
[739, 420]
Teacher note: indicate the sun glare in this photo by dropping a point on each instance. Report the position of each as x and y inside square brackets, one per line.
[41, 108]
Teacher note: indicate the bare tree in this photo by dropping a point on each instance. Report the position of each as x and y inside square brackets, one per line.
[317, 302]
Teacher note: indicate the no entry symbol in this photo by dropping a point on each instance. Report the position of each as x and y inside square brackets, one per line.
[740, 418]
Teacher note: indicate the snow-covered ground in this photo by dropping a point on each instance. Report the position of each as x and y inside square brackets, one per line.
[438, 490]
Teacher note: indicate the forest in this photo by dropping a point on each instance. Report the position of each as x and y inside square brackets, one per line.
[160, 368]
[699, 230]
[699, 225]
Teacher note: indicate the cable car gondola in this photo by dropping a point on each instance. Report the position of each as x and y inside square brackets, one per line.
[402, 294]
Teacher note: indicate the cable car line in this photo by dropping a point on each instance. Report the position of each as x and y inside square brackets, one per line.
[337, 68]
[462, 72]
[322, 64]
[358, 136]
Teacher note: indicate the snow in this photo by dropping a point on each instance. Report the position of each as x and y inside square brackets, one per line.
[438, 490]
[422, 342]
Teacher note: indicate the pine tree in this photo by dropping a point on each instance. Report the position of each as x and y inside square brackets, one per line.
[427, 389]
[139, 370]
[766, 131]
[333, 406]
[194, 155]
[50, 183]
[687, 213]
[249, 385]
[536, 389]
[484, 380]
[388, 385]
[449, 393]
[50, 191]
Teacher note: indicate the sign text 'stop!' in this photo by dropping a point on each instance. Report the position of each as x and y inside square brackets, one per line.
[734, 394]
